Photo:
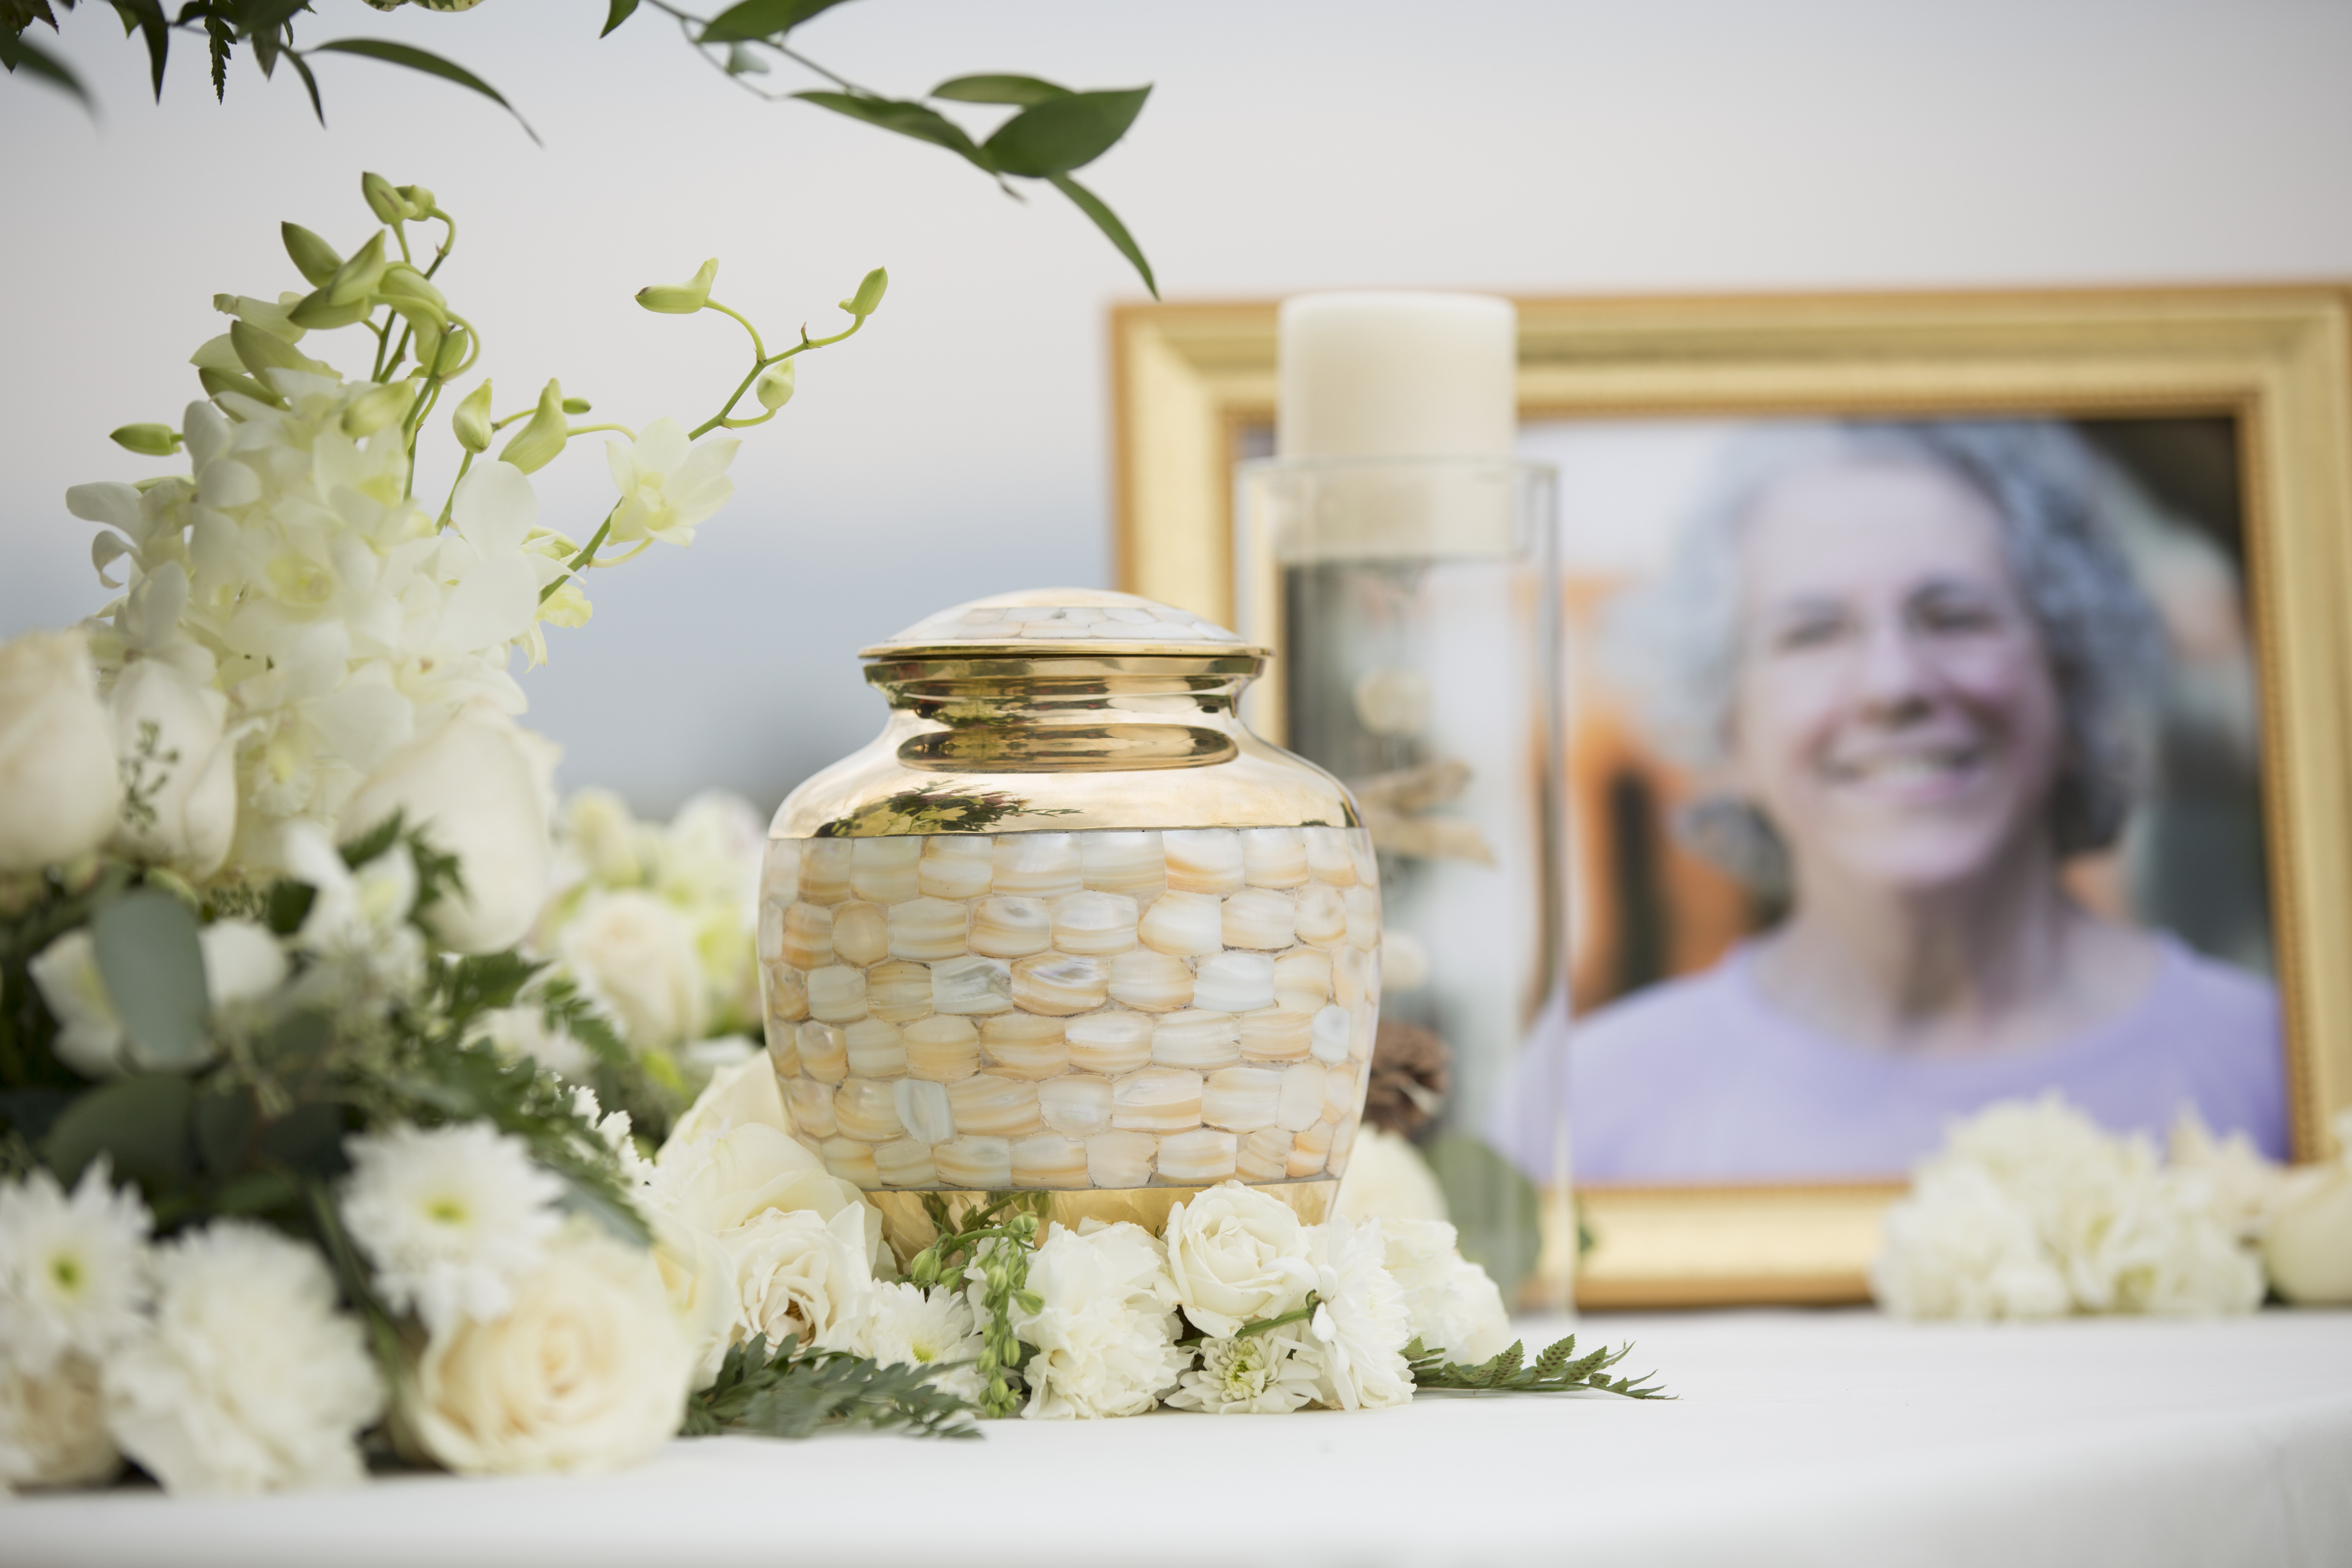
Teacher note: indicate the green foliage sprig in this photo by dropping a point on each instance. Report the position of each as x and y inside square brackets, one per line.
[994, 1241]
[1559, 1370]
[1053, 131]
[791, 1392]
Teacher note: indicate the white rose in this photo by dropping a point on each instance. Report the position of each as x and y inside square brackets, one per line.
[59, 784]
[1236, 1255]
[2308, 1245]
[1453, 1304]
[599, 829]
[587, 1372]
[250, 1380]
[53, 1427]
[798, 1275]
[637, 954]
[735, 1096]
[731, 1179]
[179, 767]
[1388, 1179]
[700, 1279]
[477, 787]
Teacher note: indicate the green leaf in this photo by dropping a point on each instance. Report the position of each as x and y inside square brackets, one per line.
[418, 59]
[1063, 134]
[905, 117]
[761, 19]
[221, 41]
[1020, 89]
[257, 18]
[619, 12]
[37, 62]
[155, 973]
[140, 1124]
[1108, 221]
[309, 83]
[146, 18]
[1495, 1207]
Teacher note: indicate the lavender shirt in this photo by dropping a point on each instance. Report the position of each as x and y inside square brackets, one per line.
[1704, 1079]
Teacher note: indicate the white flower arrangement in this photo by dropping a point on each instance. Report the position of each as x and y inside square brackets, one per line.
[2030, 1210]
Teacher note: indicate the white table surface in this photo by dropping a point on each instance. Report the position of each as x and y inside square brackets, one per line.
[1799, 1437]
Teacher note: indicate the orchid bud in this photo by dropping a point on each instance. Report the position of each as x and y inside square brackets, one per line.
[542, 439]
[313, 256]
[357, 278]
[376, 407]
[472, 420]
[148, 440]
[455, 347]
[216, 382]
[869, 298]
[420, 200]
[381, 199]
[576, 405]
[775, 387]
[684, 299]
[403, 281]
[262, 351]
[318, 312]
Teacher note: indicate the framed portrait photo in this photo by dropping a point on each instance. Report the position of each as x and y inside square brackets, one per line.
[2111, 529]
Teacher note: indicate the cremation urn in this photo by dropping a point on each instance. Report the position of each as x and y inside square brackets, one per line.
[1068, 925]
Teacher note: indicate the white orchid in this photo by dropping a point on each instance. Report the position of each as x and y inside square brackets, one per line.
[668, 485]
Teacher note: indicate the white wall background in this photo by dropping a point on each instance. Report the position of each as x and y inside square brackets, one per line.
[961, 444]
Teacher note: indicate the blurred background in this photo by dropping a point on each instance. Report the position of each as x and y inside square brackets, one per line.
[959, 445]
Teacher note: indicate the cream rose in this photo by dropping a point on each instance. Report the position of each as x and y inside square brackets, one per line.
[53, 1427]
[479, 786]
[58, 786]
[588, 1372]
[736, 1096]
[180, 765]
[1236, 1253]
[637, 954]
[700, 1278]
[1388, 1179]
[799, 1275]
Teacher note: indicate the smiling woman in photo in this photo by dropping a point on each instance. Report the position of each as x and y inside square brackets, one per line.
[1913, 667]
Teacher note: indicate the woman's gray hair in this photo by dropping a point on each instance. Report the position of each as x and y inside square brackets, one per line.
[1675, 644]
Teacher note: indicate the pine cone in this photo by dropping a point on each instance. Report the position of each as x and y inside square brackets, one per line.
[1412, 1068]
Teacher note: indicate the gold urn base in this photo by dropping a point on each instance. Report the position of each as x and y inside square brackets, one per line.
[909, 1229]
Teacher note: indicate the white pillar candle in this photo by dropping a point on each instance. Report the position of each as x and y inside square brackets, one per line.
[1392, 374]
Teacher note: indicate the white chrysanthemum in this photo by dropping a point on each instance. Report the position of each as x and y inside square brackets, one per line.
[1360, 1326]
[798, 1275]
[249, 1380]
[53, 1427]
[1451, 1303]
[73, 1270]
[913, 1327]
[2245, 1183]
[1959, 1246]
[450, 1218]
[1106, 1325]
[1263, 1374]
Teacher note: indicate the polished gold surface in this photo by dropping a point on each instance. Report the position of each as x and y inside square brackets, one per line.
[1188, 380]
[1062, 741]
[909, 1229]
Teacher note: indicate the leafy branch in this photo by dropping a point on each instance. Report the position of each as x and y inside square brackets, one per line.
[792, 1393]
[1559, 1370]
[993, 1240]
[1053, 131]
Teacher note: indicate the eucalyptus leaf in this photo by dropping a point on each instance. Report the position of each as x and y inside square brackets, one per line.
[761, 19]
[999, 89]
[1059, 134]
[423, 60]
[1108, 221]
[225, 1120]
[905, 119]
[154, 974]
[140, 1124]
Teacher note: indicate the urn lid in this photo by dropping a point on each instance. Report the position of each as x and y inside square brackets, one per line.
[1061, 620]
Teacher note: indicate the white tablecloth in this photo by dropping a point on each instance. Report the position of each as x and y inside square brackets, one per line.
[1814, 1438]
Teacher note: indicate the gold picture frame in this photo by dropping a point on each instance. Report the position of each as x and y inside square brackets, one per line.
[1188, 380]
